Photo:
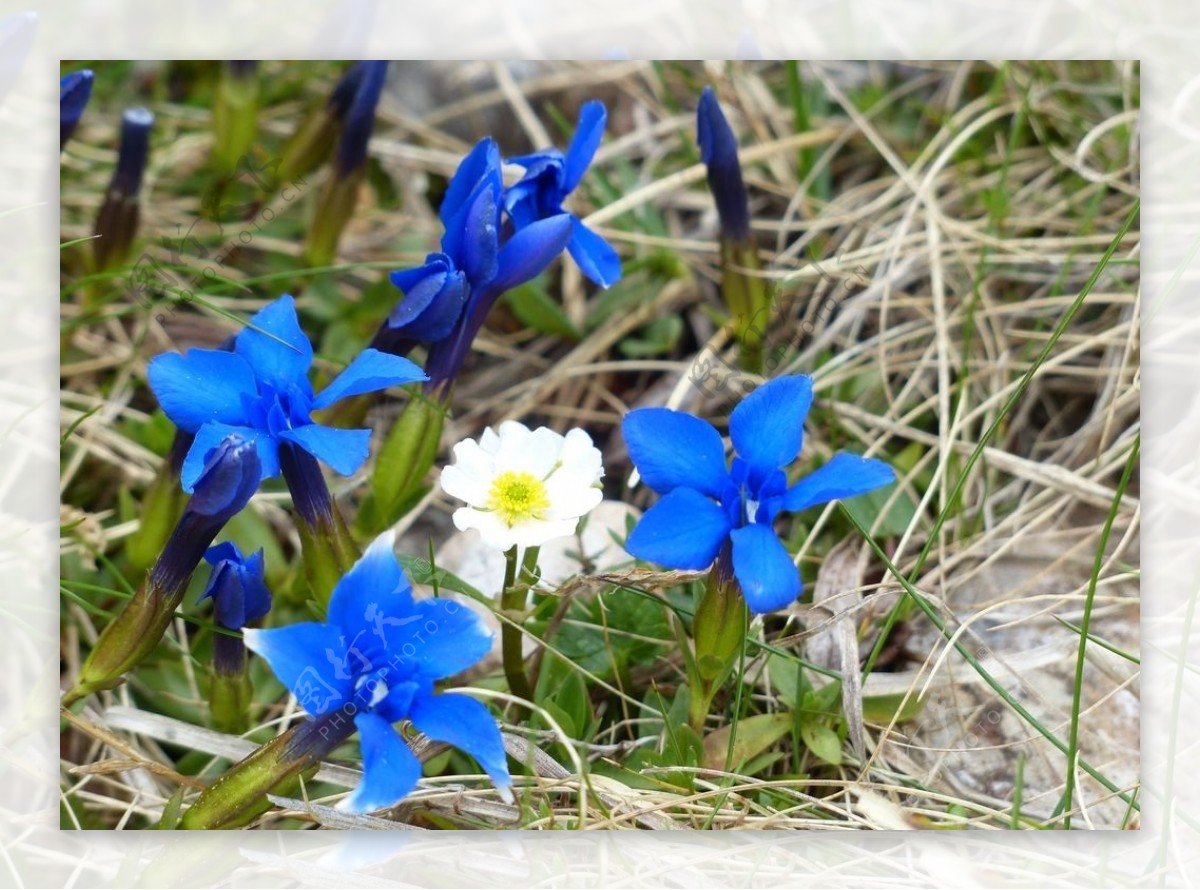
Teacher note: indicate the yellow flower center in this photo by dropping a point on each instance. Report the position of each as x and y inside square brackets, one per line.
[516, 497]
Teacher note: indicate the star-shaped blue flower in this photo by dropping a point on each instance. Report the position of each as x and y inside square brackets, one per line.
[236, 586]
[706, 507]
[376, 660]
[261, 392]
[550, 176]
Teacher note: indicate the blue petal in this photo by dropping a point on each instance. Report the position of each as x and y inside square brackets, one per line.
[767, 428]
[482, 162]
[226, 551]
[202, 386]
[257, 597]
[371, 370]
[225, 589]
[211, 435]
[466, 724]
[595, 257]
[373, 593]
[685, 530]
[763, 569]
[672, 450]
[473, 238]
[434, 296]
[447, 638]
[236, 586]
[390, 771]
[231, 474]
[397, 704]
[588, 133]
[530, 250]
[310, 659]
[274, 344]
[344, 450]
[845, 476]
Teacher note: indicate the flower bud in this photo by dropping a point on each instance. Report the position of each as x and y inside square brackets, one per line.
[117, 221]
[73, 93]
[335, 204]
[718, 151]
[231, 474]
[239, 596]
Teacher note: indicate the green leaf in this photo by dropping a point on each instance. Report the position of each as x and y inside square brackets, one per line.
[754, 736]
[886, 708]
[534, 307]
[422, 571]
[822, 741]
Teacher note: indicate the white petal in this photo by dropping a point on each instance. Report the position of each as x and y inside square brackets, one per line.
[491, 527]
[535, 533]
[470, 476]
[464, 486]
[489, 441]
[571, 495]
[529, 452]
[580, 456]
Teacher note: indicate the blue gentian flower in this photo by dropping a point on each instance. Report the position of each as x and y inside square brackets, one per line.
[261, 392]
[359, 119]
[74, 90]
[550, 176]
[718, 151]
[448, 298]
[375, 662]
[708, 510]
[236, 586]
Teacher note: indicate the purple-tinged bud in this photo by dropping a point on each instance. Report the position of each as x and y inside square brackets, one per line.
[718, 151]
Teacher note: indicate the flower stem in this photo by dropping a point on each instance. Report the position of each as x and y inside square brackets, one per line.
[513, 599]
[327, 547]
[229, 689]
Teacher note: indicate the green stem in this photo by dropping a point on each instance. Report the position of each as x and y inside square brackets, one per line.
[513, 599]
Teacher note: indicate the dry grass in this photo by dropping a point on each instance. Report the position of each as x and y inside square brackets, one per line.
[929, 230]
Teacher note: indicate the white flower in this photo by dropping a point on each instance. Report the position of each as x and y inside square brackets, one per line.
[522, 487]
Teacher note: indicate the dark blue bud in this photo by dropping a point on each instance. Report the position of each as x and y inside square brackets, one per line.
[359, 118]
[232, 471]
[136, 124]
[236, 586]
[73, 93]
[229, 479]
[718, 151]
